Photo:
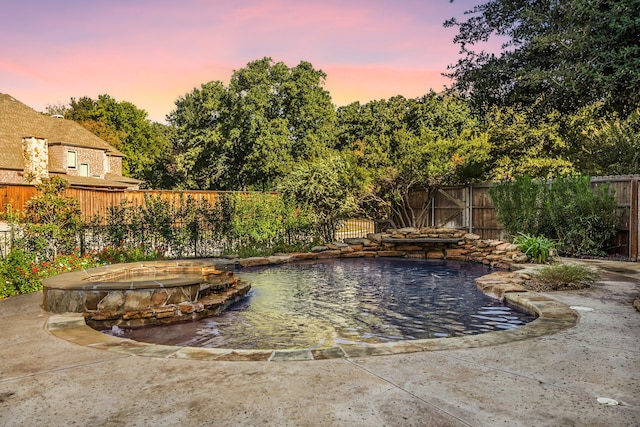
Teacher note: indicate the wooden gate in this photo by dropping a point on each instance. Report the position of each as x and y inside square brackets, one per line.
[442, 207]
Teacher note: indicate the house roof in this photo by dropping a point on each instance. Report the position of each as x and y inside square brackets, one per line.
[110, 181]
[18, 121]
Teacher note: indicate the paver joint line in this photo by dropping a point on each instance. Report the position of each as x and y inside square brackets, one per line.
[64, 368]
[404, 390]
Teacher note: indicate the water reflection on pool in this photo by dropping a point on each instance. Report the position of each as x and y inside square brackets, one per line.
[322, 303]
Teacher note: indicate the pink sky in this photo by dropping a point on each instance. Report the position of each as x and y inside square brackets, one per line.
[150, 52]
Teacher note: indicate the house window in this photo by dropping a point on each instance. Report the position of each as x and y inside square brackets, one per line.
[72, 159]
[84, 169]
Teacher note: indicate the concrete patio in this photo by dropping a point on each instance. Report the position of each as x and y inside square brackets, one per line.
[552, 380]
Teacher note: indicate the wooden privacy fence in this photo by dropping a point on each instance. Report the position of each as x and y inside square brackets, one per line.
[470, 207]
[467, 206]
[96, 202]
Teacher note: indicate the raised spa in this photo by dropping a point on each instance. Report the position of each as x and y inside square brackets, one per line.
[346, 301]
[143, 293]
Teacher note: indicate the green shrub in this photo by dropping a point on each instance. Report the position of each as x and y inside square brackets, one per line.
[51, 220]
[580, 218]
[583, 219]
[261, 220]
[538, 249]
[18, 273]
[21, 273]
[563, 277]
[519, 204]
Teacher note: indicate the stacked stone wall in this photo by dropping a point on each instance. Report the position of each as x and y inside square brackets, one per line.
[432, 243]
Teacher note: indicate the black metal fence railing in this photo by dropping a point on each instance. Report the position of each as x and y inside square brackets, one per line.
[198, 240]
[353, 228]
[7, 238]
[179, 241]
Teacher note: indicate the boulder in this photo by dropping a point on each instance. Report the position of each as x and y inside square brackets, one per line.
[353, 242]
[408, 230]
[112, 302]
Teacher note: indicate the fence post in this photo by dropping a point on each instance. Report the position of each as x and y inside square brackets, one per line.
[634, 221]
[470, 202]
[82, 240]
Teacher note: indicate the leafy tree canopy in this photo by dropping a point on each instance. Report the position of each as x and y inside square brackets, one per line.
[526, 142]
[406, 144]
[605, 145]
[250, 134]
[571, 52]
[200, 159]
[433, 132]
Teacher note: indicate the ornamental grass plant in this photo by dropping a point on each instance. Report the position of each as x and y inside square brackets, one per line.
[560, 277]
[538, 249]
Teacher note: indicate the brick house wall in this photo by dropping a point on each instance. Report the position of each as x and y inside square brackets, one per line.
[12, 176]
[93, 158]
[115, 164]
[98, 161]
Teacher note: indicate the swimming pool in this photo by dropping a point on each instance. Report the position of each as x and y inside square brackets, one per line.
[347, 301]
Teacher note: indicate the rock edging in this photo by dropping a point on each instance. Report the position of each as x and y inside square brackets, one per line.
[432, 243]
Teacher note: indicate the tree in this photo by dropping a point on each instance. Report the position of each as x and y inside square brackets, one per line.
[369, 131]
[200, 157]
[605, 145]
[526, 142]
[411, 144]
[325, 185]
[249, 135]
[279, 116]
[571, 53]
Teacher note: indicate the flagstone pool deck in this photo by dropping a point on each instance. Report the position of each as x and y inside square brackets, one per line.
[54, 371]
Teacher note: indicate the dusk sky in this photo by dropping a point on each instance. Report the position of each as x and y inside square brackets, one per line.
[150, 52]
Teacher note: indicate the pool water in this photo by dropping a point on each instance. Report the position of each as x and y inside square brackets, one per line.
[347, 301]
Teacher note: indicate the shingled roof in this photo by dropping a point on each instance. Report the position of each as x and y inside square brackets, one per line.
[18, 121]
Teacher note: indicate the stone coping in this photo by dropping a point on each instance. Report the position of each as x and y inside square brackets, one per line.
[399, 240]
[158, 274]
[552, 317]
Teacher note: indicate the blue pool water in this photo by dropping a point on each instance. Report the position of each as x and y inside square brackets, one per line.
[322, 303]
